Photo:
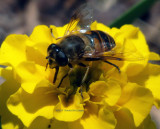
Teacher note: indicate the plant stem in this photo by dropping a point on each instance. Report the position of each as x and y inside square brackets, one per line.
[133, 13]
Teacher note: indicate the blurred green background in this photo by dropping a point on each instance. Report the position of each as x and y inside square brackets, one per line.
[21, 16]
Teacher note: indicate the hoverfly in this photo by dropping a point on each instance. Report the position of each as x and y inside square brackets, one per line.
[85, 45]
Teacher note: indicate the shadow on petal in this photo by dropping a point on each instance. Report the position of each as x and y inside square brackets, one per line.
[29, 106]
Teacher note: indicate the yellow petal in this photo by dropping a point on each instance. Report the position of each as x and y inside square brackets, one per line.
[129, 31]
[37, 54]
[114, 75]
[11, 124]
[138, 100]
[105, 120]
[149, 78]
[42, 34]
[100, 26]
[69, 109]
[124, 119]
[8, 120]
[58, 32]
[29, 106]
[109, 90]
[147, 124]
[13, 49]
[43, 123]
[154, 56]
[31, 74]
[153, 82]
[94, 119]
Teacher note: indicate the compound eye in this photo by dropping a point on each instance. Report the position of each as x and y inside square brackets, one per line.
[61, 59]
[51, 47]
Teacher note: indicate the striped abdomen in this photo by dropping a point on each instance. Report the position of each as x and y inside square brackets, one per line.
[100, 41]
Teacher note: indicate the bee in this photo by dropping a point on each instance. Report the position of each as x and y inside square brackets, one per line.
[78, 45]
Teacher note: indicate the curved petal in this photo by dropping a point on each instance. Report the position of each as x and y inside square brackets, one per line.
[153, 82]
[147, 124]
[124, 119]
[90, 120]
[149, 78]
[58, 32]
[37, 54]
[129, 31]
[13, 49]
[138, 100]
[68, 109]
[41, 33]
[43, 123]
[110, 91]
[105, 120]
[154, 56]
[31, 74]
[99, 26]
[8, 87]
[42, 38]
[40, 103]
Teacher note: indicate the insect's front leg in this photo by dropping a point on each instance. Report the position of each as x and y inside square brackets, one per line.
[70, 70]
[56, 73]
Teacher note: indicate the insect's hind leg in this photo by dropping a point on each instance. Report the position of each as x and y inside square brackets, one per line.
[84, 77]
[113, 65]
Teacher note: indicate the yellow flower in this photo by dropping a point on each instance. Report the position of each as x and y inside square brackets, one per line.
[112, 100]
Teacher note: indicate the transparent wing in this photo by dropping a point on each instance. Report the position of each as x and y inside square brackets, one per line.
[122, 56]
[133, 55]
[81, 20]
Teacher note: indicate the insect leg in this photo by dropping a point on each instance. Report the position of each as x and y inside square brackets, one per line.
[70, 65]
[95, 59]
[46, 66]
[113, 65]
[64, 77]
[84, 78]
[56, 73]
[81, 64]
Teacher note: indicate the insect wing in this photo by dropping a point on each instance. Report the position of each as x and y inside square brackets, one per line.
[122, 56]
[81, 20]
[113, 55]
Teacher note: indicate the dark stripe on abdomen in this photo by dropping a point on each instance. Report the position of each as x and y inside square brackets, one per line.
[108, 41]
[100, 41]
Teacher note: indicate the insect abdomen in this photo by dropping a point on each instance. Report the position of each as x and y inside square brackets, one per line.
[101, 41]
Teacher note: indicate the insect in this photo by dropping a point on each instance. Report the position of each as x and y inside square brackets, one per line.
[84, 45]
